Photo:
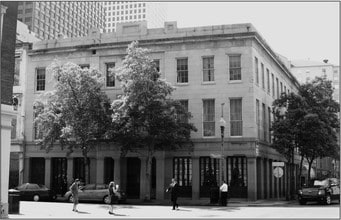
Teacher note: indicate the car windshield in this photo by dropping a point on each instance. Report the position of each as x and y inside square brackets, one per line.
[321, 183]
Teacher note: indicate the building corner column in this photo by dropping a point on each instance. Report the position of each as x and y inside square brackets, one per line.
[48, 172]
[99, 170]
[7, 114]
[252, 178]
[160, 178]
[195, 178]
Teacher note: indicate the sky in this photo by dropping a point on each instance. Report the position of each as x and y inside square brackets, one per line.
[296, 30]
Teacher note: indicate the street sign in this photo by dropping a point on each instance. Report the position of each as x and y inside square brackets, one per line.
[278, 164]
[278, 172]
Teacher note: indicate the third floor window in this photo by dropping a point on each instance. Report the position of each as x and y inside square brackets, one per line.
[208, 69]
[182, 70]
[235, 67]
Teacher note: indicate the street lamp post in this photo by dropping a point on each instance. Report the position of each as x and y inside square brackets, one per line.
[222, 123]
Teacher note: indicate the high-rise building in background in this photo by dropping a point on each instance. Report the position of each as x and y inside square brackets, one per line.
[72, 19]
[119, 12]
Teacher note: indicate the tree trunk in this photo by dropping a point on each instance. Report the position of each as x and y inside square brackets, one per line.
[300, 174]
[148, 177]
[309, 169]
[86, 168]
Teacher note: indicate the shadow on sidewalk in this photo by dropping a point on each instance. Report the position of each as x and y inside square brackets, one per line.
[82, 212]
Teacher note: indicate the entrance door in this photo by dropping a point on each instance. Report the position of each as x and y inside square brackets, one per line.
[37, 170]
[59, 175]
[133, 177]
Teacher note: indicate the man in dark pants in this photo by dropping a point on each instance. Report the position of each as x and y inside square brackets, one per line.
[174, 190]
[223, 191]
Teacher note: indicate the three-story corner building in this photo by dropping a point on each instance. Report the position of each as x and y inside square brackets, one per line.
[209, 66]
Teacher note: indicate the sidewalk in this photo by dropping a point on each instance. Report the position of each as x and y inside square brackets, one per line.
[232, 202]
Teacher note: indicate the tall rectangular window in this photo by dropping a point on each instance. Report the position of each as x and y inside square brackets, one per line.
[40, 79]
[268, 79]
[265, 130]
[110, 77]
[236, 117]
[262, 69]
[258, 118]
[256, 70]
[209, 174]
[37, 133]
[235, 67]
[183, 117]
[209, 118]
[182, 70]
[208, 68]
[269, 124]
[281, 87]
[277, 85]
[273, 84]
[157, 65]
[182, 171]
[285, 89]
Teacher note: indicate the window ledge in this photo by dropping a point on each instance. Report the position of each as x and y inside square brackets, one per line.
[208, 83]
[111, 88]
[235, 81]
[182, 84]
[208, 137]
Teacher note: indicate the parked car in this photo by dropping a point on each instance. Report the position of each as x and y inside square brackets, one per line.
[35, 192]
[323, 191]
[95, 192]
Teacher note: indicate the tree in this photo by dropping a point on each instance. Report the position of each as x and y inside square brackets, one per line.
[318, 128]
[309, 122]
[145, 118]
[76, 113]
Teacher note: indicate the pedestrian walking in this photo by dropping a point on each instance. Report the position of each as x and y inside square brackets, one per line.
[223, 193]
[74, 191]
[174, 191]
[112, 195]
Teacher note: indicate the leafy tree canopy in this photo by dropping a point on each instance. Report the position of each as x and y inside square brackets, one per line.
[76, 113]
[145, 117]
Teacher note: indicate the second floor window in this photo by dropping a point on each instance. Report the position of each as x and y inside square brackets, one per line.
[40, 79]
[183, 117]
[110, 78]
[209, 118]
[268, 79]
[235, 67]
[256, 70]
[263, 80]
[182, 70]
[236, 117]
[208, 69]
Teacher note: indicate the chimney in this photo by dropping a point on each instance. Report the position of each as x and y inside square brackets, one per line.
[325, 61]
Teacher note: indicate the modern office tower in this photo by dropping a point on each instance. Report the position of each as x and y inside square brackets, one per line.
[118, 12]
[71, 19]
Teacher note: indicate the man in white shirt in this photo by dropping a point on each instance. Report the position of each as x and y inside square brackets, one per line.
[223, 193]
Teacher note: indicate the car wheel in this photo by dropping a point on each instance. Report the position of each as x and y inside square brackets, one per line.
[36, 198]
[328, 200]
[106, 199]
[302, 201]
[70, 199]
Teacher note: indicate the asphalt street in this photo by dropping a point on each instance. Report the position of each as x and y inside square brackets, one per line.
[44, 210]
